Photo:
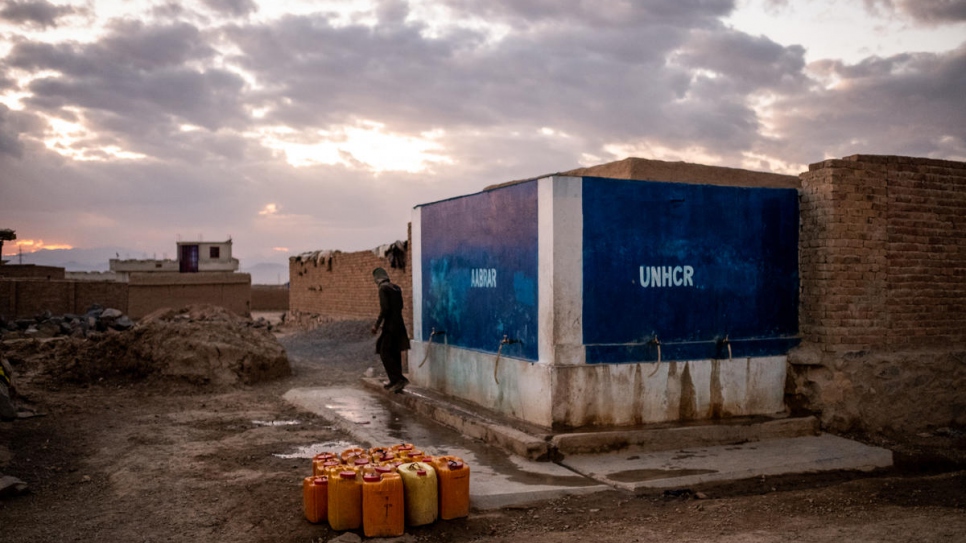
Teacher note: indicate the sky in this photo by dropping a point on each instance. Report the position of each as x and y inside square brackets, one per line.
[300, 125]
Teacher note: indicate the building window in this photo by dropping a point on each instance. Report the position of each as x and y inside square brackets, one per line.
[214, 252]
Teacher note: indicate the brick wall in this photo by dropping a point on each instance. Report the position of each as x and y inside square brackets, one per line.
[149, 292]
[31, 271]
[31, 297]
[883, 254]
[269, 298]
[340, 286]
[142, 295]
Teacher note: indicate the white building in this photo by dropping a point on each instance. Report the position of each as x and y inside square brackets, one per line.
[193, 257]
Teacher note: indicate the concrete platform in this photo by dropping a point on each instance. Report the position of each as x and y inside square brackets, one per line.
[693, 466]
[498, 479]
[503, 454]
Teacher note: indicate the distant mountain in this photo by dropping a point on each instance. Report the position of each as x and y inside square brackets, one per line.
[266, 273]
[76, 259]
[85, 260]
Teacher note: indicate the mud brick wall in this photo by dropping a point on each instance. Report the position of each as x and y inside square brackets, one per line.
[31, 271]
[30, 297]
[269, 298]
[883, 254]
[149, 292]
[341, 286]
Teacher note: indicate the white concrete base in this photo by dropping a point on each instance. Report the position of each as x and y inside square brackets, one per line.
[603, 394]
[513, 387]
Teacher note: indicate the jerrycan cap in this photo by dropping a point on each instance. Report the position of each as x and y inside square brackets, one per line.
[383, 469]
[361, 461]
[347, 474]
[455, 464]
[372, 477]
[320, 480]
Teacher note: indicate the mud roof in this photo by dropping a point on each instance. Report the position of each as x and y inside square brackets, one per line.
[642, 169]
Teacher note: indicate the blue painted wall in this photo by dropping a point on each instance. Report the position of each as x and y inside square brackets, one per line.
[479, 258]
[728, 263]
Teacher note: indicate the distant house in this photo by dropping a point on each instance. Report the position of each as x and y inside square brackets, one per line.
[193, 257]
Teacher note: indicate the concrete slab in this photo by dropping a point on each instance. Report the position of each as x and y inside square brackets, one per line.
[498, 479]
[636, 471]
[523, 439]
[663, 457]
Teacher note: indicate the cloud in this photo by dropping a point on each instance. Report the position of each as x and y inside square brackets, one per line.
[604, 13]
[190, 122]
[136, 88]
[908, 104]
[930, 12]
[936, 11]
[10, 143]
[37, 13]
[236, 8]
[750, 63]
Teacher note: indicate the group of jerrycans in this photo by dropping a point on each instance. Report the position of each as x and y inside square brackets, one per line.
[385, 489]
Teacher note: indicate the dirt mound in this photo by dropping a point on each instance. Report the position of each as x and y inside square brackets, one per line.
[198, 344]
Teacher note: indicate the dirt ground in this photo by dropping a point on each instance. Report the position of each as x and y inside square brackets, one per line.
[162, 461]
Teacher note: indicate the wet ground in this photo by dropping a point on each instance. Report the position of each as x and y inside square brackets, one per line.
[157, 461]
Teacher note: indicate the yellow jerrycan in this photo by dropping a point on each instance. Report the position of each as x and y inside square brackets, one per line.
[421, 494]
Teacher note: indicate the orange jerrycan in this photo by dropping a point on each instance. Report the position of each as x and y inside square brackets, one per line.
[320, 459]
[345, 499]
[454, 487]
[401, 448]
[326, 468]
[383, 513]
[315, 498]
[421, 494]
[348, 455]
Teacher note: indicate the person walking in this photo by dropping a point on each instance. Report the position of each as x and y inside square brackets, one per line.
[394, 338]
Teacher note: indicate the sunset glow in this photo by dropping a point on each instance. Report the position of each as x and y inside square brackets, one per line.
[11, 248]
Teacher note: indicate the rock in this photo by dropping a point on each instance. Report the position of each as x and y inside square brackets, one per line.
[111, 313]
[8, 411]
[347, 537]
[47, 329]
[11, 486]
[123, 323]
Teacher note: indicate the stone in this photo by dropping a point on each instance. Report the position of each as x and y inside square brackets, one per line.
[11, 486]
[347, 537]
[123, 323]
[47, 329]
[111, 313]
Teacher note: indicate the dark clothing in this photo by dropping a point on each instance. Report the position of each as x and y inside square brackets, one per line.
[394, 338]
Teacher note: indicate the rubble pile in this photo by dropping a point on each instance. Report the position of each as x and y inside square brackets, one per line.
[201, 344]
[47, 325]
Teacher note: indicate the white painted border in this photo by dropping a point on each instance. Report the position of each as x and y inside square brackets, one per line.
[416, 268]
[560, 270]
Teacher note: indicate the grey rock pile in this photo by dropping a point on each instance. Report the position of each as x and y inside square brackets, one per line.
[96, 319]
